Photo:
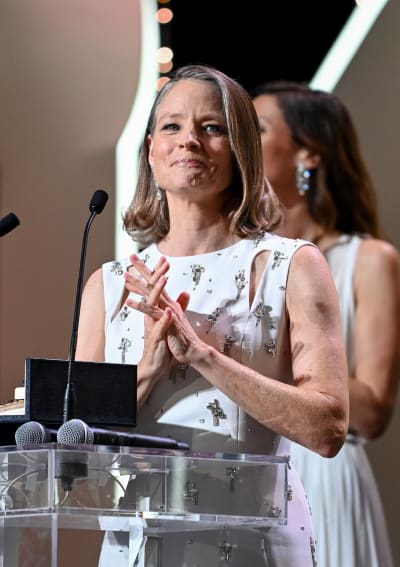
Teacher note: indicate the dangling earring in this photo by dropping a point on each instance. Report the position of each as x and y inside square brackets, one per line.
[158, 192]
[302, 179]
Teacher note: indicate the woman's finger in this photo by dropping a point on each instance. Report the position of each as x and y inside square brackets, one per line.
[152, 310]
[151, 276]
[154, 293]
[143, 281]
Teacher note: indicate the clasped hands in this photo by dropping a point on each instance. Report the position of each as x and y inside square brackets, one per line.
[167, 329]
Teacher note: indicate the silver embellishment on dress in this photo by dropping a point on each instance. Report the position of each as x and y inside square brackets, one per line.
[191, 492]
[116, 268]
[313, 552]
[197, 270]
[278, 257]
[178, 372]
[258, 238]
[214, 315]
[232, 472]
[289, 493]
[225, 551]
[124, 346]
[260, 311]
[240, 282]
[270, 347]
[181, 369]
[124, 313]
[217, 412]
[276, 511]
[226, 347]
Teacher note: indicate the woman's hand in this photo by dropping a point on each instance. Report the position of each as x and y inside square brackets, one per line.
[156, 358]
[169, 324]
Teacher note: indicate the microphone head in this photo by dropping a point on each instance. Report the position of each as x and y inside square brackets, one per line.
[8, 223]
[75, 432]
[32, 433]
[98, 201]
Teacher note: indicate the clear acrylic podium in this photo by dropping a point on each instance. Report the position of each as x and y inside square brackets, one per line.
[131, 492]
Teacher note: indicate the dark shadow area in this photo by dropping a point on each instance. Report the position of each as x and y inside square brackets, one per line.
[256, 41]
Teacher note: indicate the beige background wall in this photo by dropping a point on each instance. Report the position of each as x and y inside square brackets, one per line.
[68, 78]
[69, 73]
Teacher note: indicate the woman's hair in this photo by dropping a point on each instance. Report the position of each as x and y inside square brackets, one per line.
[342, 195]
[251, 207]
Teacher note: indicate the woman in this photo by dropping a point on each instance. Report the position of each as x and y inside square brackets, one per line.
[312, 158]
[218, 314]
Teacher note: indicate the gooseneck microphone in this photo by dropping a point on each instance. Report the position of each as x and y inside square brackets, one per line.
[8, 223]
[77, 432]
[34, 433]
[96, 206]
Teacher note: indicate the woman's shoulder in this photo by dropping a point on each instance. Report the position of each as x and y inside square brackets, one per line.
[274, 242]
[95, 280]
[377, 253]
[378, 246]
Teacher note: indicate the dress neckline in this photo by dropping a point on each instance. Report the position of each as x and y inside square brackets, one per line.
[219, 252]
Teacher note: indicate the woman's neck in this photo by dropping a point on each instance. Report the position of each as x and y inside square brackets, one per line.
[298, 223]
[190, 240]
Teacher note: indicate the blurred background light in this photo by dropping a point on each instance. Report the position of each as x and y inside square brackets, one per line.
[164, 15]
[347, 43]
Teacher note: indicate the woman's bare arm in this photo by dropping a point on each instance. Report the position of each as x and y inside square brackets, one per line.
[313, 411]
[374, 385]
[90, 344]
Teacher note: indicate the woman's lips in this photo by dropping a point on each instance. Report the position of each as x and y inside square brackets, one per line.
[189, 163]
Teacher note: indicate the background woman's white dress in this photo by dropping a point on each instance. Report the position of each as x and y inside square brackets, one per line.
[349, 523]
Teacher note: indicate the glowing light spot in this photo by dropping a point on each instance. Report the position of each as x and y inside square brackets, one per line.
[164, 55]
[164, 15]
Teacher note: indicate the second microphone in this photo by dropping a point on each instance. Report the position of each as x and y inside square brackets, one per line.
[77, 432]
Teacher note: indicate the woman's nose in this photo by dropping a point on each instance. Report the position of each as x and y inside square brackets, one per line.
[191, 138]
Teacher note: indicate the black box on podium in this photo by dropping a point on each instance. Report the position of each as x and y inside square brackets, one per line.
[105, 395]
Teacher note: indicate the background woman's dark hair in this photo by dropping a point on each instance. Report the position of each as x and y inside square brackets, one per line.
[251, 206]
[342, 195]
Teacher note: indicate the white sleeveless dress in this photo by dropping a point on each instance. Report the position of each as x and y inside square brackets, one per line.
[186, 407]
[348, 518]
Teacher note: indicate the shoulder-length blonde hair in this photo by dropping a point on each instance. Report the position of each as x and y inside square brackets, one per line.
[252, 208]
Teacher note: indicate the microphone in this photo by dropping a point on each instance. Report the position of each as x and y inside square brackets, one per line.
[96, 206]
[77, 432]
[34, 433]
[8, 223]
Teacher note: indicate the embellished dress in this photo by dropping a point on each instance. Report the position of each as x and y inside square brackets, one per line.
[188, 408]
[348, 518]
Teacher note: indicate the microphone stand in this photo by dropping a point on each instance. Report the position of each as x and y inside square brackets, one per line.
[69, 408]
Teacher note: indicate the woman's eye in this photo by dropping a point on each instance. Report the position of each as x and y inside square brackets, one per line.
[170, 126]
[215, 129]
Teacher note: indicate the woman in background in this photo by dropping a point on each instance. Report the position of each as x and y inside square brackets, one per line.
[313, 160]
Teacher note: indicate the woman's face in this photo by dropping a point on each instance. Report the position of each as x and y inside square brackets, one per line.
[189, 149]
[280, 153]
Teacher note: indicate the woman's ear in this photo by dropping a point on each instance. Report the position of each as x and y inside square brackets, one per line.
[308, 158]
